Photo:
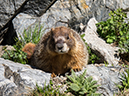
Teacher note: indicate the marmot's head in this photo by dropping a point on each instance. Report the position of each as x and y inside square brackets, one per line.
[62, 39]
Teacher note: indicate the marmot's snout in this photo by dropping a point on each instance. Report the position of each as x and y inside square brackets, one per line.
[61, 46]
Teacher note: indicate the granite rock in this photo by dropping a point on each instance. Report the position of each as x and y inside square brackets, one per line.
[105, 51]
[18, 79]
[107, 77]
[9, 9]
[69, 13]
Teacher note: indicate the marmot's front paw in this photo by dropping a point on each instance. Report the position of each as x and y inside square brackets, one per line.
[76, 68]
[53, 75]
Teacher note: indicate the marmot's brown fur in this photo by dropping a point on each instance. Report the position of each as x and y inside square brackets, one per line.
[60, 50]
[29, 49]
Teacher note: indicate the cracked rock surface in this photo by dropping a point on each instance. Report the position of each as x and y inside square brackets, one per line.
[18, 79]
[9, 9]
[69, 13]
[105, 51]
[106, 76]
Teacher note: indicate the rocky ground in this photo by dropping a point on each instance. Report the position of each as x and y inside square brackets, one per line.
[18, 79]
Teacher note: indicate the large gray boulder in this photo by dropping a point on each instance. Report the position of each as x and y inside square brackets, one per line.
[105, 51]
[19, 80]
[37, 7]
[63, 13]
[69, 13]
[9, 10]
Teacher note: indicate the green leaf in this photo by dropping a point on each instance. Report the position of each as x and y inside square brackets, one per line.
[109, 40]
[75, 87]
[83, 75]
[89, 79]
[93, 83]
[82, 85]
[73, 73]
[111, 21]
[70, 78]
[83, 91]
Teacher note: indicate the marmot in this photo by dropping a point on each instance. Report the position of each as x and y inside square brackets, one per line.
[60, 50]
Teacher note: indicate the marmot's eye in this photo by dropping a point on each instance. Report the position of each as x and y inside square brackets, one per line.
[67, 37]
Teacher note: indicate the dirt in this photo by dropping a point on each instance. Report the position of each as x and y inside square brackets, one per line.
[124, 59]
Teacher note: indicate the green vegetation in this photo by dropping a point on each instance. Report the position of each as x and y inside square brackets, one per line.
[46, 91]
[124, 86]
[32, 35]
[125, 80]
[77, 86]
[81, 86]
[18, 55]
[115, 30]
[92, 57]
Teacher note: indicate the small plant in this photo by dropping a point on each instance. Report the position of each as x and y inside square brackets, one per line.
[79, 85]
[115, 30]
[46, 91]
[31, 35]
[106, 63]
[93, 57]
[125, 80]
[16, 55]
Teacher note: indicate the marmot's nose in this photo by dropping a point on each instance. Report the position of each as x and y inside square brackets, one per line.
[60, 46]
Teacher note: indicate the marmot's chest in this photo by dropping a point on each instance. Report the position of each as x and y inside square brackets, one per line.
[61, 63]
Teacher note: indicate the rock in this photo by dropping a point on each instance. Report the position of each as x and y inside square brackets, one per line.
[37, 7]
[7, 34]
[99, 46]
[18, 79]
[60, 81]
[63, 13]
[106, 77]
[68, 13]
[7, 47]
[9, 10]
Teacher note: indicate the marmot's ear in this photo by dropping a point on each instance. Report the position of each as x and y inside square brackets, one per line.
[52, 29]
